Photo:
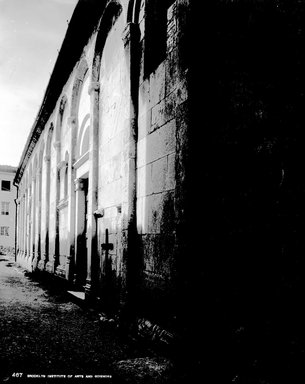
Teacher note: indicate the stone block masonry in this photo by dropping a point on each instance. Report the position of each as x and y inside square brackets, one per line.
[102, 156]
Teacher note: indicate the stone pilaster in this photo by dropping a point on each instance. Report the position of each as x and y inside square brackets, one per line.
[27, 221]
[45, 249]
[38, 217]
[80, 247]
[72, 122]
[92, 261]
[57, 146]
[33, 222]
[22, 223]
[17, 226]
[130, 275]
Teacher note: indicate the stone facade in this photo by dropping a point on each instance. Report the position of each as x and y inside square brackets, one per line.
[97, 178]
[8, 208]
[186, 158]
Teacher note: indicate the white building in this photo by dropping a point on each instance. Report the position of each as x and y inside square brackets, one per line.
[8, 208]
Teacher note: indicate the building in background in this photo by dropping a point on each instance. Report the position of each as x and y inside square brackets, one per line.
[8, 208]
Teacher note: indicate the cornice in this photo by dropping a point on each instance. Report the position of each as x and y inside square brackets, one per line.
[82, 25]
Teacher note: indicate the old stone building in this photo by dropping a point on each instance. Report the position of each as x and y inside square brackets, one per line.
[8, 211]
[98, 176]
[164, 173]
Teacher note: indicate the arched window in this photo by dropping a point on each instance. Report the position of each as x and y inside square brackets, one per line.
[61, 125]
[66, 182]
[84, 147]
[63, 172]
[62, 110]
[80, 103]
[83, 137]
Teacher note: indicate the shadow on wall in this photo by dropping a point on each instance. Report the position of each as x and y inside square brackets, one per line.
[136, 270]
[248, 247]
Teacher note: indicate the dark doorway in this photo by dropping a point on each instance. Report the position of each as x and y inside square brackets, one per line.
[81, 258]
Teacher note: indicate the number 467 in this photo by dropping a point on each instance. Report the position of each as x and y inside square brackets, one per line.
[17, 374]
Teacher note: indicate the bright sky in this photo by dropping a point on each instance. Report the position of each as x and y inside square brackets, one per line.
[31, 34]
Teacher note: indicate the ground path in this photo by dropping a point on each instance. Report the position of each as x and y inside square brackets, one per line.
[42, 332]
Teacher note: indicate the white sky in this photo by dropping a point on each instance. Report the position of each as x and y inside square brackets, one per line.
[31, 34]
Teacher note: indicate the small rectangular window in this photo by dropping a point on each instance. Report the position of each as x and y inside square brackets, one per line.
[4, 231]
[5, 185]
[155, 34]
[5, 208]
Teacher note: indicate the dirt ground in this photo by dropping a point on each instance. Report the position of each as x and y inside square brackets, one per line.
[43, 333]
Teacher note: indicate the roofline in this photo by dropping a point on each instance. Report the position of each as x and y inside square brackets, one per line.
[8, 169]
[87, 14]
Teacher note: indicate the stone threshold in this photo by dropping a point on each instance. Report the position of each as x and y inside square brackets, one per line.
[77, 294]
